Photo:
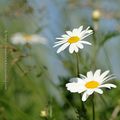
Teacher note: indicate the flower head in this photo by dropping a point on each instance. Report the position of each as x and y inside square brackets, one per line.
[90, 83]
[73, 39]
[20, 38]
[96, 15]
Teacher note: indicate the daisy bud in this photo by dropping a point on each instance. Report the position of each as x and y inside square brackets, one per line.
[96, 15]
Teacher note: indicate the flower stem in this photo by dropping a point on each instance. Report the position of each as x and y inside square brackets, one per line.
[93, 107]
[84, 114]
[77, 70]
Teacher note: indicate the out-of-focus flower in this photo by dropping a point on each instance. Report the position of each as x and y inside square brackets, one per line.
[73, 39]
[43, 113]
[96, 15]
[20, 38]
[90, 83]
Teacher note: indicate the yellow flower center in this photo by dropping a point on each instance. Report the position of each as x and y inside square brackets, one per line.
[73, 39]
[27, 37]
[92, 84]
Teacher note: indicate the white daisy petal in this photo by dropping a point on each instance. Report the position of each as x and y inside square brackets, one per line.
[74, 80]
[87, 28]
[99, 91]
[80, 90]
[108, 86]
[85, 96]
[90, 31]
[83, 76]
[71, 48]
[73, 87]
[84, 36]
[65, 36]
[104, 74]
[80, 28]
[60, 38]
[109, 77]
[78, 80]
[85, 42]
[69, 33]
[80, 45]
[90, 75]
[90, 91]
[60, 41]
[63, 47]
[76, 48]
[58, 44]
[75, 31]
[97, 74]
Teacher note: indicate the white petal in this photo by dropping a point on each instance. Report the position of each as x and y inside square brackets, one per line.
[71, 48]
[60, 41]
[82, 33]
[90, 92]
[83, 36]
[60, 38]
[109, 77]
[37, 39]
[69, 33]
[74, 80]
[63, 47]
[99, 91]
[81, 89]
[58, 44]
[74, 87]
[108, 86]
[90, 75]
[97, 74]
[76, 48]
[77, 80]
[104, 74]
[80, 45]
[80, 28]
[75, 31]
[65, 36]
[83, 76]
[18, 39]
[85, 96]
[87, 28]
[85, 42]
[90, 31]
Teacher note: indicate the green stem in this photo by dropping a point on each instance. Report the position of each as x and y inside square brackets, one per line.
[82, 104]
[77, 70]
[93, 107]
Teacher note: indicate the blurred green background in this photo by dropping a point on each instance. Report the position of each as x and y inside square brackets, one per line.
[36, 75]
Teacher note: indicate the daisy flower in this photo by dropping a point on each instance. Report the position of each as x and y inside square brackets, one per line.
[20, 38]
[73, 39]
[90, 83]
